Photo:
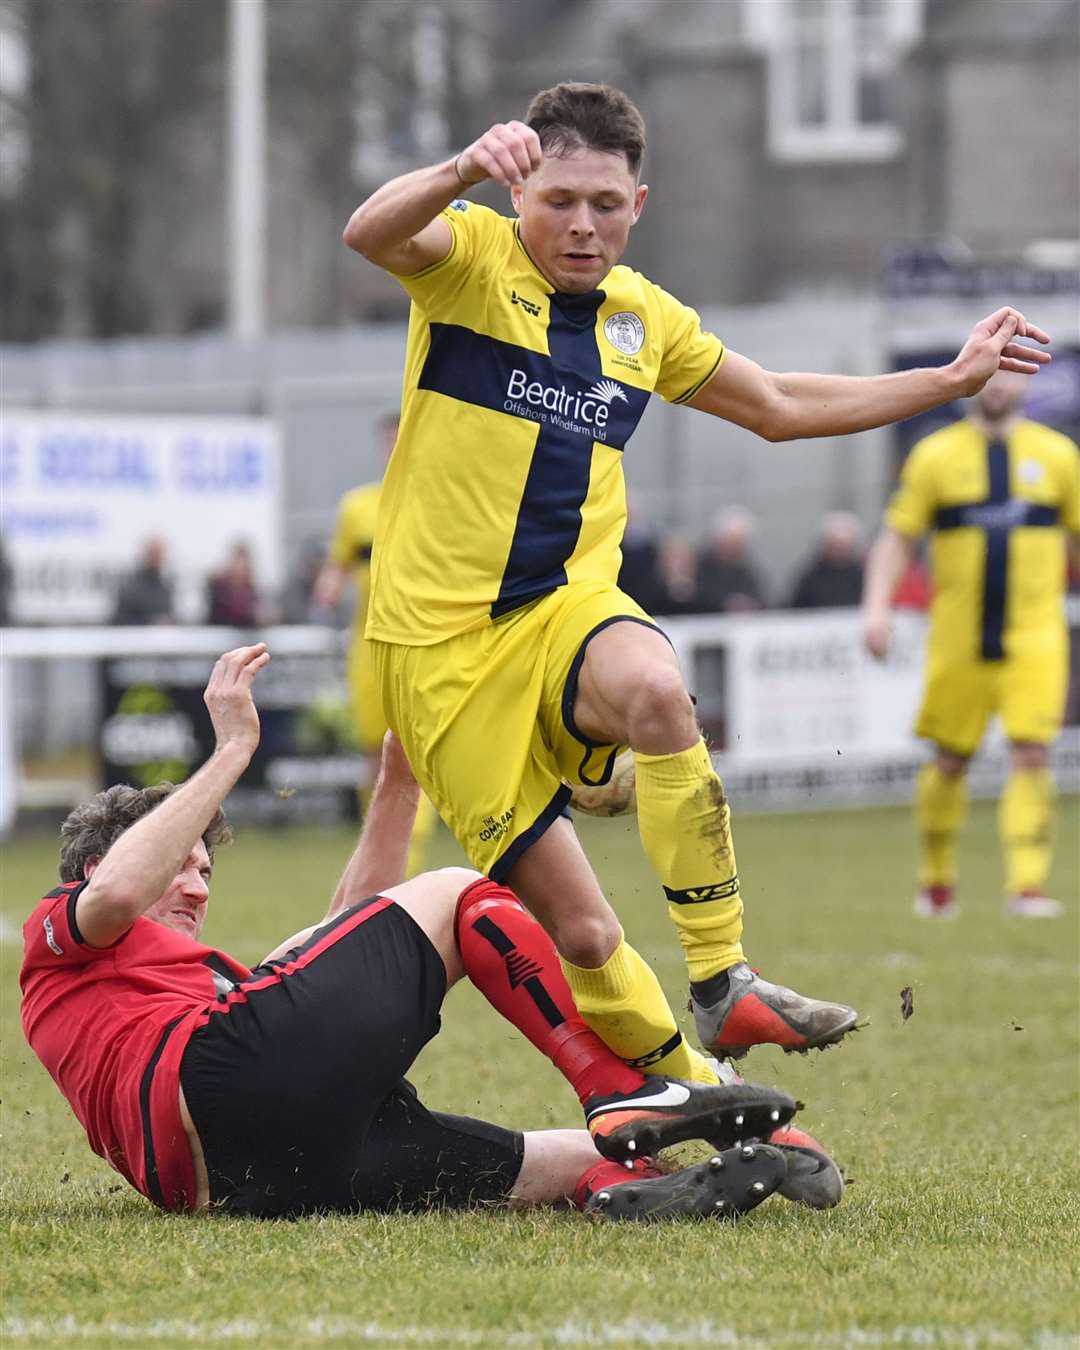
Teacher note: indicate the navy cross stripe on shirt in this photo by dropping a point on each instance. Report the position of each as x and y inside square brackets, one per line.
[574, 405]
[997, 514]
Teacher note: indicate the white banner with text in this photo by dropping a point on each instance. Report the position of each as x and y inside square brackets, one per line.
[80, 495]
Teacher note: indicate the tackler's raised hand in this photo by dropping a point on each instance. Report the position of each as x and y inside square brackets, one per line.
[992, 347]
[507, 152]
[228, 697]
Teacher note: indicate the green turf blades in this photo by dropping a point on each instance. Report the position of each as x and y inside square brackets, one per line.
[954, 1233]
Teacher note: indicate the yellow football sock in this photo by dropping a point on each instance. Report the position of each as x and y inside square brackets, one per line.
[685, 829]
[1026, 818]
[623, 1003]
[940, 807]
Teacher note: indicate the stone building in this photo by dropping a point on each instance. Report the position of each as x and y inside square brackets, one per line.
[792, 142]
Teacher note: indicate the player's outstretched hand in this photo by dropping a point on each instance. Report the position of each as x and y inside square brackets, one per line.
[877, 634]
[228, 697]
[991, 347]
[507, 152]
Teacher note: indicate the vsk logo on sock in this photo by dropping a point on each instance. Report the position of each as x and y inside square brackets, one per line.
[699, 895]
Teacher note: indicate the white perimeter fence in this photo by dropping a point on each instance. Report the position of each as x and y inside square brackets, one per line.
[800, 718]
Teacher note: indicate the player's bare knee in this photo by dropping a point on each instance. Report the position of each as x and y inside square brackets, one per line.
[659, 714]
[457, 878]
[950, 765]
[586, 939]
[430, 900]
[1028, 757]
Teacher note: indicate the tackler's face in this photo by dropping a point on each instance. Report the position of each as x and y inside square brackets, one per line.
[182, 905]
[577, 210]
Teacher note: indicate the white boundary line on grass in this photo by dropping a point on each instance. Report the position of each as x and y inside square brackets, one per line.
[631, 1332]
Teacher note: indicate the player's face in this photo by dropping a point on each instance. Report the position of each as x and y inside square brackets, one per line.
[182, 906]
[576, 212]
[1001, 395]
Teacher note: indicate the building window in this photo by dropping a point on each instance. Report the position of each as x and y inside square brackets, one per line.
[420, 65]
[832, 71]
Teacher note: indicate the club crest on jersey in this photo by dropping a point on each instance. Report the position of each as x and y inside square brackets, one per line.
[625, 332]
[1031, 471]
[50, 937]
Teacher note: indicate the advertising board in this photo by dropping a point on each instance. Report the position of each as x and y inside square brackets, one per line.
[155, 727]
[81, 494]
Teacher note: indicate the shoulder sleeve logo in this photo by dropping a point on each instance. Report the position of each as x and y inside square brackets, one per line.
[458, 205]
[50, 937]
[625, 332]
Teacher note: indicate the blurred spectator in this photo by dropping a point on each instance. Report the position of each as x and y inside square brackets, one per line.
[639, 574]
[146, 594]
[299, 603]
[833, 577]
[6, 579]
[233, 595]
[676, 577]
[727, 578]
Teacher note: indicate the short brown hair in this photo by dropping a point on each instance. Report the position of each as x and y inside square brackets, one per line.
[92, 828]
[572, 116]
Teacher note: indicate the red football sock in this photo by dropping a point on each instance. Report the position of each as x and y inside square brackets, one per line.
[514, 964]
[603, 1175]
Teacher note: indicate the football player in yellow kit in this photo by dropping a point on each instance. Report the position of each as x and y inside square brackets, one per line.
[350, 557]
[509, 662]
[997, 494]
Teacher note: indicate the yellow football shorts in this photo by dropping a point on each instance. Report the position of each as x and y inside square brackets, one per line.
[365, 705]
[1026, 691]
[486, 719]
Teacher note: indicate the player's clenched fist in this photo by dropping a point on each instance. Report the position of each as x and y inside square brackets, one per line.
[507, 152]
[877, 634]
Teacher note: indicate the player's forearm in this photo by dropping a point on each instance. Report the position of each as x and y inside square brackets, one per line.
[329, 585]
[144, 860]
[379, 860]
[887, 561]
[400, 209]
[806, 405]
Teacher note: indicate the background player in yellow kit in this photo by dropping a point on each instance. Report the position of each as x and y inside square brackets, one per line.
[350, 557]
[508, 660]
[997, 495]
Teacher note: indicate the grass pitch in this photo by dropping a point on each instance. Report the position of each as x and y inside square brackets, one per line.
[957, 1128]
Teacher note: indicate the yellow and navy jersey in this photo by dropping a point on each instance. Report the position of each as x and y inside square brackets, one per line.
[997, 513]
[506, 481]
[354, 535]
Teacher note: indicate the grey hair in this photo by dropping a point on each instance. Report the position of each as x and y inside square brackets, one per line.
[94, 826]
